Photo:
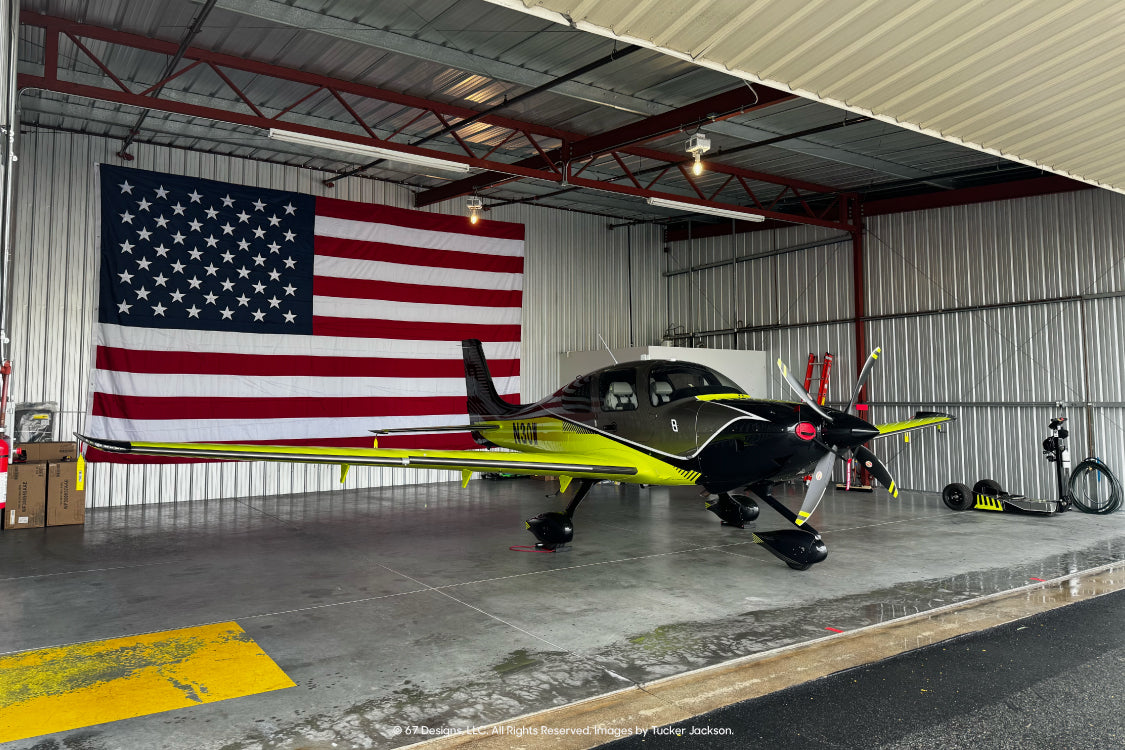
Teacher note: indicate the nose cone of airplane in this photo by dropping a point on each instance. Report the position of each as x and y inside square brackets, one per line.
[848, 430]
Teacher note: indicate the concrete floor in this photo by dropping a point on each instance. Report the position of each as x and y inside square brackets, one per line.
[402, 606]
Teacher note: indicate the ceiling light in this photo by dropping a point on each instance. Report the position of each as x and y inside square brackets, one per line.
[697, 146]
[475, 206]
[695, 208]
[363, 150]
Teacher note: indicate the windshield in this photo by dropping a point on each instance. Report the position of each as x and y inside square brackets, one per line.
[671, 382]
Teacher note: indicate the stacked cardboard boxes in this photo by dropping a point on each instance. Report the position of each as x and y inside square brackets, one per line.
[49, 489]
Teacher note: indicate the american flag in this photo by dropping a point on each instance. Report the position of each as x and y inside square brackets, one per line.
[236, 314]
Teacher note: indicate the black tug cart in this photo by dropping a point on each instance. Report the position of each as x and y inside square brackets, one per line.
[1084, 490]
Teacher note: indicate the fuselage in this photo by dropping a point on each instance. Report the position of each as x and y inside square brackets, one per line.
[679, 422]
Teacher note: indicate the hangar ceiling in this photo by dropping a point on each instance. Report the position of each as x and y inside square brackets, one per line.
[1037, 81]
[537, 112]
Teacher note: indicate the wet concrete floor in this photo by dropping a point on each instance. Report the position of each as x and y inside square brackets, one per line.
[400, 613]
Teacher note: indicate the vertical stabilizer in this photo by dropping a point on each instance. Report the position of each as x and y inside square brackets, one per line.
[484, 402]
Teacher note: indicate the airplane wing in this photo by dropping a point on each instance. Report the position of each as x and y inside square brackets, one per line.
[563, 464]
[918, 422]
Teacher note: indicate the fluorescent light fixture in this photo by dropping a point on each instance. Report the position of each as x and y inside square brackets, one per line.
[360, 149]
[692, 207]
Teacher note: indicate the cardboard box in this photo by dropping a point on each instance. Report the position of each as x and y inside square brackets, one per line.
[27, 496]
[66, 493]
[37, 452]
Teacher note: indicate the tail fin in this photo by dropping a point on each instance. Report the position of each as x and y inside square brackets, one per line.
[483, 400]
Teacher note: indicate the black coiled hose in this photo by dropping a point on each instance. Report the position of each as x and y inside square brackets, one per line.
[1094, 492]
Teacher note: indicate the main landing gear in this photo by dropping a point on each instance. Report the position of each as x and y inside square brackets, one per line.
[554, 529]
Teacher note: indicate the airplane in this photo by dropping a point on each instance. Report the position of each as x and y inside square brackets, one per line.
[651, 422]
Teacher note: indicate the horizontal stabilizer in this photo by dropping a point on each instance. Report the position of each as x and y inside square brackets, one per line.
[446, 428]
[920, 421]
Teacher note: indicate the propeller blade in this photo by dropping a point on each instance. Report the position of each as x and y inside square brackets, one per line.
[877, 469]
[821, 474]
[800, 390]
[863, 374]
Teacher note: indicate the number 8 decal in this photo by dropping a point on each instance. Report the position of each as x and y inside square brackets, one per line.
[675, 427]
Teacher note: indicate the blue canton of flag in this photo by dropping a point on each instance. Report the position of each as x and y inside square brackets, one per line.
[186, 253]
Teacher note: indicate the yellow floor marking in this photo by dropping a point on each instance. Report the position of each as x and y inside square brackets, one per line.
[67, 687]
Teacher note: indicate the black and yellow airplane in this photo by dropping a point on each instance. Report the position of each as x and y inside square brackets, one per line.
[656, 422]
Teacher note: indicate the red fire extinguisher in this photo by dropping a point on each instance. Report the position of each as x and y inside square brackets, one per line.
[5, 449]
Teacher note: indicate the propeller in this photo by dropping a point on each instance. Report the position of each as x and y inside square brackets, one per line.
[842, 437]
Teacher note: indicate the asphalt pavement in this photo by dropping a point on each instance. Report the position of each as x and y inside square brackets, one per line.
[1053, 681]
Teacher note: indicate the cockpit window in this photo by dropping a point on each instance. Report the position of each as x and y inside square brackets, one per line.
[671, 382]
[618, 390]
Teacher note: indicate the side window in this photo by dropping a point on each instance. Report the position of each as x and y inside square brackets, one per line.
[618, 391]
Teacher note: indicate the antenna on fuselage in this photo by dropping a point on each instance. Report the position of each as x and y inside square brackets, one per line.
[610, 351]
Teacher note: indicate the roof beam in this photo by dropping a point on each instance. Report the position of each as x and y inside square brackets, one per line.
[727, 104]
[342, 28]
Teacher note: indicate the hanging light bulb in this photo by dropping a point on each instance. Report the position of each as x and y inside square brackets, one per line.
[697, 146]
[475, 205]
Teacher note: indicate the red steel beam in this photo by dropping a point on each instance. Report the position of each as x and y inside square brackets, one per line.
[576, 146]
[721, 106]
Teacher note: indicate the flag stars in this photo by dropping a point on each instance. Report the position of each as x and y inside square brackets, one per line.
[193, 312]
[227, 201]
[161, 193]
[127, 218]
[195, 253]
[161, 251]
[158, 309]
[143, 264]
[127, 247]
[289, 236]
[211, 212]
[177, 209]
[274, 247]
[259, 288]
[244, 273]
[227, 228]
[228, 256]
[258, 205]
[227, 313]
[259, 260]
[177, 296]
[160, 279]
[126, 277]
[177, 267]
[212, 241]
[144, 234]
[195, 196]
[227, 285]
[274, 221]
[211, 269]
[124, 307]
[211, 298]
[290, 263]
[259, 316]
[161, 222]
[243, 245]
[259, 233]
[290, 208]
[143, 205]
[243, 216]
[142, 293]
[243, 300]
[178, 239]
[289, 317]
[274, 301]
[196, 225]
[126, 187]
[290, 290]
[275, 275]
[194, 282]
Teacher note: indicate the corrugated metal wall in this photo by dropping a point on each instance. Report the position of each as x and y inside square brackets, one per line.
[994, 312]
[581, 279]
